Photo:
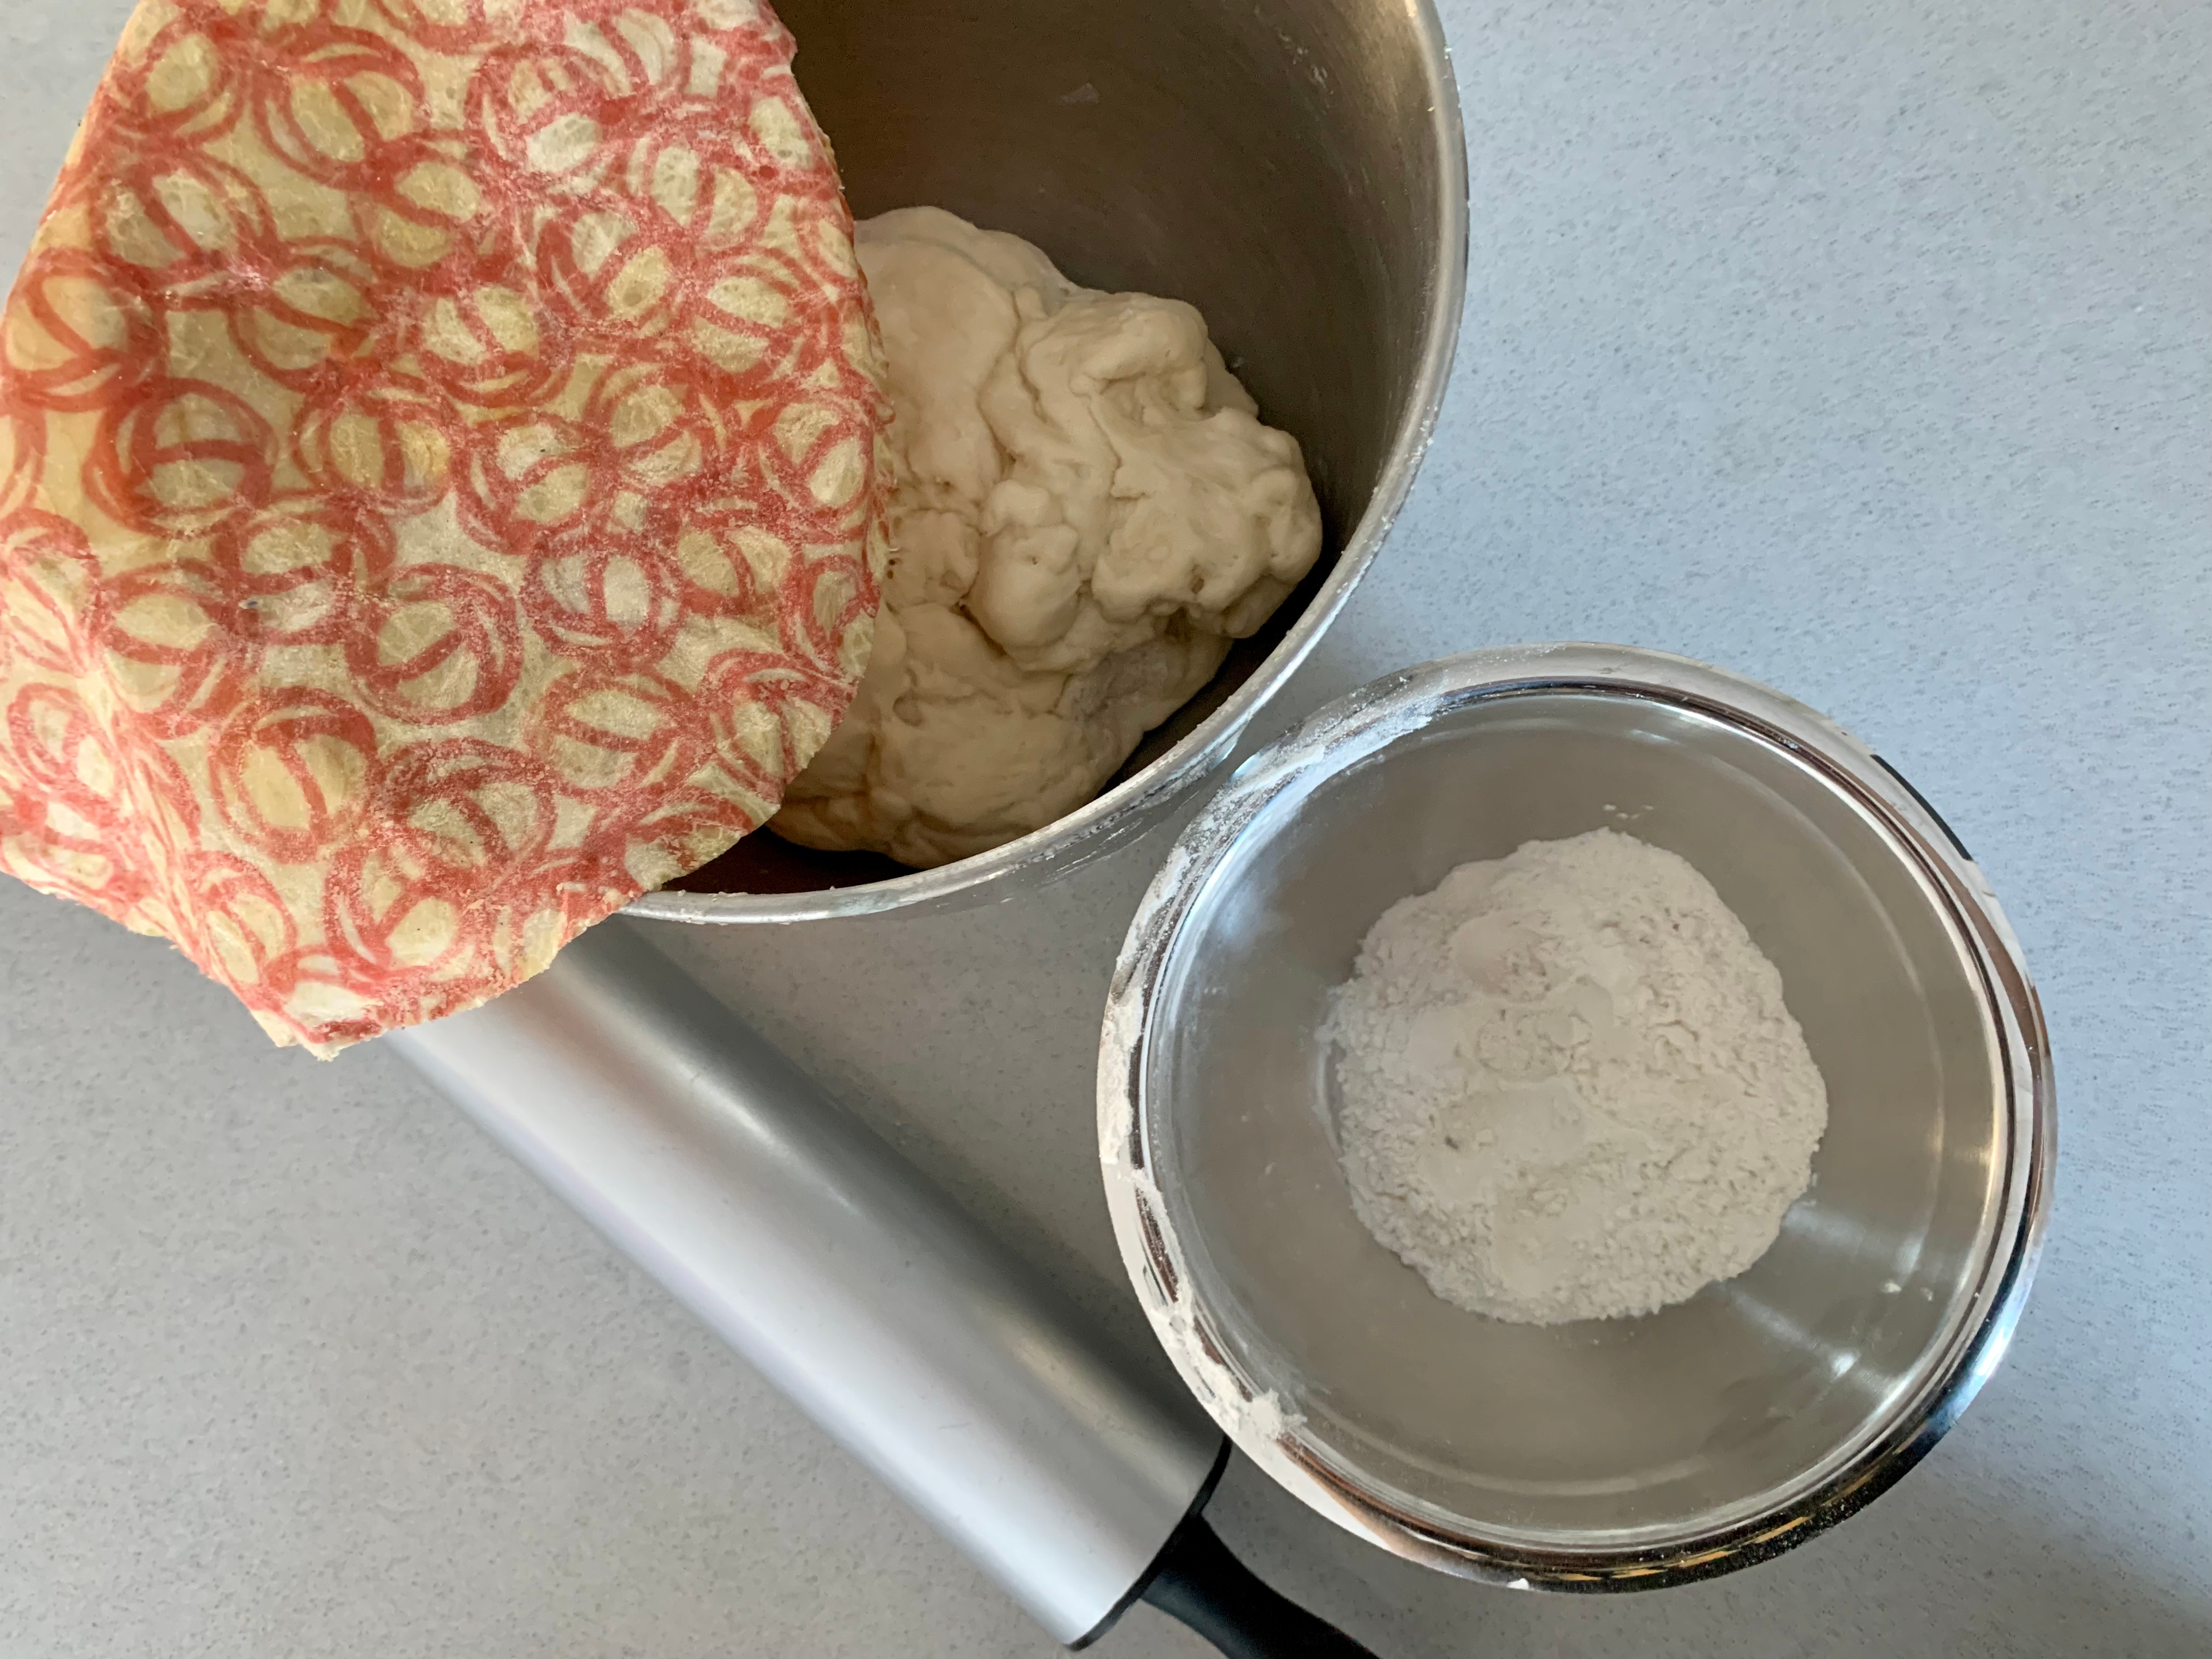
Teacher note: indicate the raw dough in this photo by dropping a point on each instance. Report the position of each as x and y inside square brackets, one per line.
[1084, 512]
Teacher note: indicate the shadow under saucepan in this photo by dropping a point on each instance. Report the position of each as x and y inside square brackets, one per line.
[1941, 1569]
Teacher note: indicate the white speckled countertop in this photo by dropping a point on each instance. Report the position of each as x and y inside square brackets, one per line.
[1864, 350]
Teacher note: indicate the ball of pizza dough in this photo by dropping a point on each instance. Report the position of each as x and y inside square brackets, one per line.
[1084, 512]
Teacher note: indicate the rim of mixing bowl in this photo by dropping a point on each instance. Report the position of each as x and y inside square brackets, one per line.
[1859, 1468]
[1134, 804]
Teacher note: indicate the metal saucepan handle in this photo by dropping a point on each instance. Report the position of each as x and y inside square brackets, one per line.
[847, 1278]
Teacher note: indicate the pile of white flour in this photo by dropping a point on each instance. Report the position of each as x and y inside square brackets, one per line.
[1569, 1087]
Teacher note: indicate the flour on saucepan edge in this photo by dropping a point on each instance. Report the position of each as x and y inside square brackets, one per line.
[1569, 1086]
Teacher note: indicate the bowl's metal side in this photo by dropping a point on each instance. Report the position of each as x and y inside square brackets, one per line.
[1140, 221]
[1361, 725]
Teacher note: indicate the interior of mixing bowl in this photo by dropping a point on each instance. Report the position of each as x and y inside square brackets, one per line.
[1600, 1435]
[1276, 165]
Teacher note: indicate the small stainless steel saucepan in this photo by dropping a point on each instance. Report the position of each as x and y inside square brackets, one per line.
[1604, 1455]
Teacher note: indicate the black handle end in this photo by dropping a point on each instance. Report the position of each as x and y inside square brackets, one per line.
[1198, 1582]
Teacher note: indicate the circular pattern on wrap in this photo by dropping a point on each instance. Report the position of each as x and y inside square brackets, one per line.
[439, 493]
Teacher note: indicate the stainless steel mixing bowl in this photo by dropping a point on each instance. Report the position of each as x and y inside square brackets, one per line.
[1296, 170]
[1606, 1454]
